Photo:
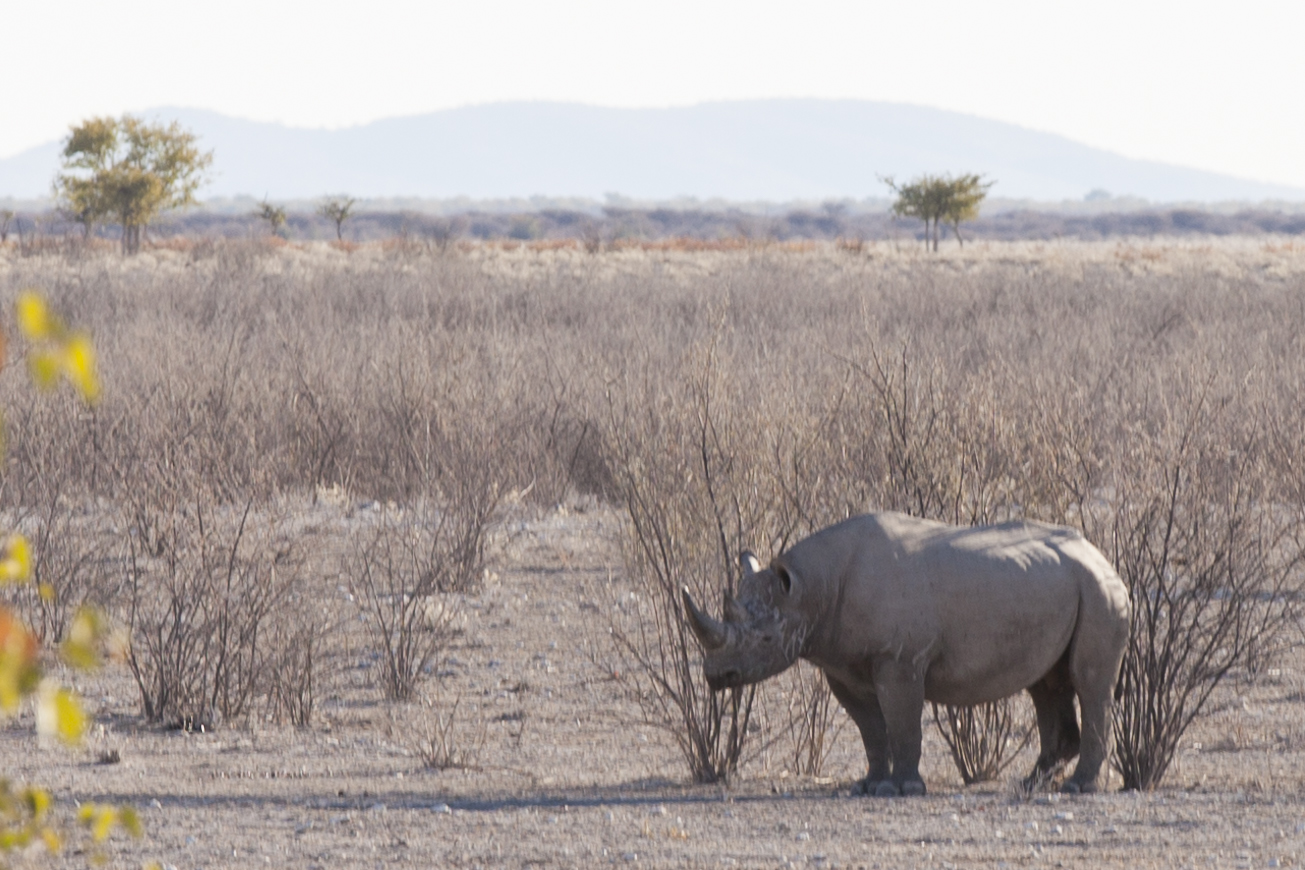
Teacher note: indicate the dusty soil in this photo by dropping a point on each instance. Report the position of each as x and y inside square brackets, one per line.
[563, 772]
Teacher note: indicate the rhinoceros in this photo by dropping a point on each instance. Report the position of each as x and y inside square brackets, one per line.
[897, 610]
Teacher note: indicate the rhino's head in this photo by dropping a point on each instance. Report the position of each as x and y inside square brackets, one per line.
[761, 634]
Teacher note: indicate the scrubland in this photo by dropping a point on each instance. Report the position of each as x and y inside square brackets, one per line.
[395, 531]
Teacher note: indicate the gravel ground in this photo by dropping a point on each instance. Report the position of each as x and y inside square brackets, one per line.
[566, 774]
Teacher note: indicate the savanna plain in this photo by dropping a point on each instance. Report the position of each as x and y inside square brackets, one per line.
[393, 536]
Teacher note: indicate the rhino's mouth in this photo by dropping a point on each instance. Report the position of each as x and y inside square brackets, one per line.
[730, 679]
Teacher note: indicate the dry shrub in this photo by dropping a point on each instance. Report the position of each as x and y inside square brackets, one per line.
[411, 571]
[443, 738]
[811, 711]
[73, 565]
[202, 597]
[687, 465]
[1004, 381]
[984, 739]
[298, 641]
[1215, 563]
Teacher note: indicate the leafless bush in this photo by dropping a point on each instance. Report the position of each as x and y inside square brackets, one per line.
[201, 598]
[1003, 381]
[442, 738]
[1214, 565]
[294, 674]
[696, 498]
[409, 574]
[72, 566]
[811, 711]
[983, 739]
[942, 444]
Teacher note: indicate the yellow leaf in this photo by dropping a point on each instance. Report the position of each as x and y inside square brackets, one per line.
[87, 625]
[58, 713]
[38, 802]
[103, 824]
[86, 812]
[9, 694]
[80, 649]
[51, 839]
[16, 563]
[44, 366]
[79, 365]
[47, 592]
[80, 656]
[130, 820]
[34, 317]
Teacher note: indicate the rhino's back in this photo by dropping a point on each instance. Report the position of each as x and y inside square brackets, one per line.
[986, 610]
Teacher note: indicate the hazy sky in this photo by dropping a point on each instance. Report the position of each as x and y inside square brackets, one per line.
[1213, 85]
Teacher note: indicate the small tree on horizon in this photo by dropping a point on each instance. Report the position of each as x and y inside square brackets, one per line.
[940, 199]
[273, 214]
[130, 170]
[337, 209]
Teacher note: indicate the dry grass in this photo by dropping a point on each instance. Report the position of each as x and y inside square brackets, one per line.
[743, 393]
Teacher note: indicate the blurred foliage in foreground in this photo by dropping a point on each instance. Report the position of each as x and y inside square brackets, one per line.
[55, 353]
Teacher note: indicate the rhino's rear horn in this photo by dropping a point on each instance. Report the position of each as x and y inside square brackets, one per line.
[710, 633]
[748, 563]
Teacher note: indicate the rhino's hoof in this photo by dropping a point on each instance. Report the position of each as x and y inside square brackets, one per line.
[867, 787]
[1072, 787]
[913, 788]
[887, 788]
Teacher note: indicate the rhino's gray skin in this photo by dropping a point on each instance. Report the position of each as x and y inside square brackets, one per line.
[897, 611]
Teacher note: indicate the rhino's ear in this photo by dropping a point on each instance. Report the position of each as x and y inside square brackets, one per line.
[785, 578]
[748, 563]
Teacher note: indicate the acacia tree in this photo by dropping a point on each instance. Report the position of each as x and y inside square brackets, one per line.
[940, 199]
[129, 170]
[337, 209]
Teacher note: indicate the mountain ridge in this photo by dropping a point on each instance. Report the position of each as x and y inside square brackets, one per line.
[760, 150]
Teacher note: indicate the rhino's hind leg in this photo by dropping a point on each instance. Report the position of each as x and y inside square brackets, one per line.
[1094, 658]
[869, 719]
[1095, 686]
[1058, 731]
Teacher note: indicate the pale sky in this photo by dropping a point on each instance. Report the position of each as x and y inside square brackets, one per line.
[1211, 85]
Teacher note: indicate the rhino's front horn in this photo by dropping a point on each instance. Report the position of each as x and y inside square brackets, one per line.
[710, 633]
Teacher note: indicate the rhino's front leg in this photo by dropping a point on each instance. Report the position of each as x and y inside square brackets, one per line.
[863, 707]
[901, 698]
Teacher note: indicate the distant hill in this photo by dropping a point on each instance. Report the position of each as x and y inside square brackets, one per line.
[775, 150]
